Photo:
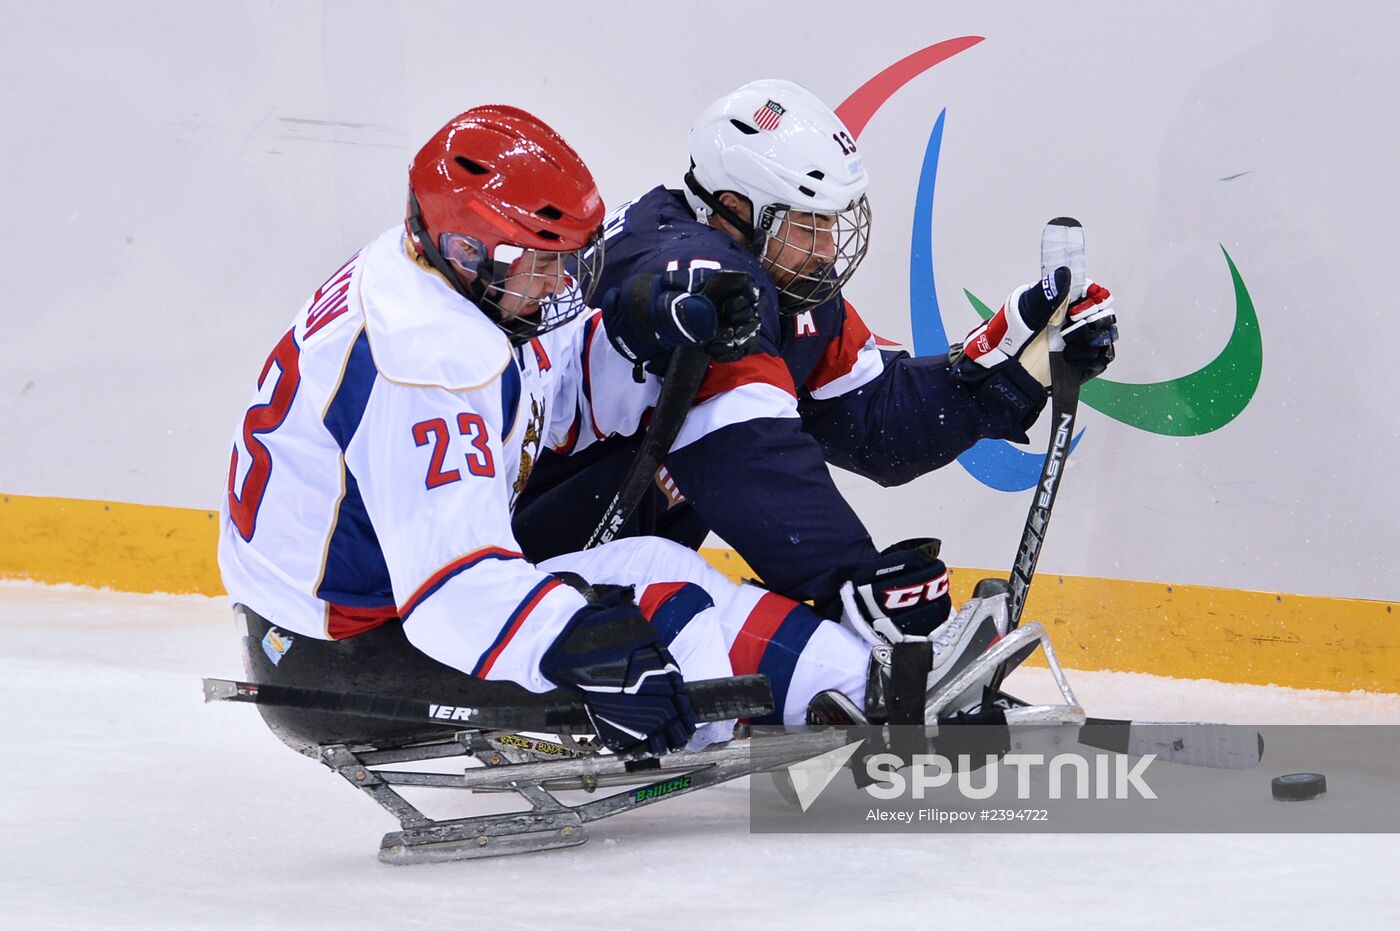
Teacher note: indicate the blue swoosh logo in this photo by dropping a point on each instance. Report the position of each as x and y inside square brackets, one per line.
[995, 463]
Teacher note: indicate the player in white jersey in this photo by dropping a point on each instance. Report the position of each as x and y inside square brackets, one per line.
[366, 538]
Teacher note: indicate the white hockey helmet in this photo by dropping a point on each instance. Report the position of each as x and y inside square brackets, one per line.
[777, 145]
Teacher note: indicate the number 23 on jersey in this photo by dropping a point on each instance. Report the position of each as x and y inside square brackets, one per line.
[434, 432]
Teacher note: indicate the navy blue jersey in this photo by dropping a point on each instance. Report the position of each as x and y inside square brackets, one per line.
[750, 461]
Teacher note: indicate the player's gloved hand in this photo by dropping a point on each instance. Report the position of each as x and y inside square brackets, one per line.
[736, 298]
[1090, 331]
[901, 595]
[1012, 329]
[652, 314]
[629, 682]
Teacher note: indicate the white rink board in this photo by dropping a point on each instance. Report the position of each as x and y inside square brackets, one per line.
[134, 805]
[180, 176]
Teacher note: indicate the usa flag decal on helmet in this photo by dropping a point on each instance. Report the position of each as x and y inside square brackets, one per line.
[769, 115]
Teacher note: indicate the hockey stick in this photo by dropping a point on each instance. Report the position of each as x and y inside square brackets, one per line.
[1188, 743]
[1217, 746]
[683, 376]
[1064, 403]
[1061, 244]
[712, 699]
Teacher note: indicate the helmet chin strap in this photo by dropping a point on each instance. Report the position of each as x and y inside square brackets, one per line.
[757, 238]
[433, 254]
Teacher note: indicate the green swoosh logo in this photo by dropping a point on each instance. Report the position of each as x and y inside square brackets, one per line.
[1194, 404]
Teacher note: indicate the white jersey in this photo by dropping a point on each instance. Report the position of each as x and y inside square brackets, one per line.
[374, 472]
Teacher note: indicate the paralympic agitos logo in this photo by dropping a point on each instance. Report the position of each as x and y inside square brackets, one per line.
[1192, 405]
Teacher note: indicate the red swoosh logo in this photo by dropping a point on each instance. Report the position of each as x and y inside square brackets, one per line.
[858, 108]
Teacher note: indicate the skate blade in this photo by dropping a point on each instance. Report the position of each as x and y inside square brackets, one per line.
[476, 838]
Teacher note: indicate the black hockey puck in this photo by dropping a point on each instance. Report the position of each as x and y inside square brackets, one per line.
[1298, 787]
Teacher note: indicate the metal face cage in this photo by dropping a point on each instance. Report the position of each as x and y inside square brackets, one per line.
[528, 291]
[812, 255]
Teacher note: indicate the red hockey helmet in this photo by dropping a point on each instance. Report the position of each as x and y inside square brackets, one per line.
[496, 181]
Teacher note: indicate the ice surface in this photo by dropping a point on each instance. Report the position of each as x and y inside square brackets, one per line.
[130, 804]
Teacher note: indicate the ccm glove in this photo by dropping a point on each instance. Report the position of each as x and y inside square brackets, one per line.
[1090, 331]
[1011, 330]
[900, 595]
[652, 314]
[1000, 355]
[630, 684]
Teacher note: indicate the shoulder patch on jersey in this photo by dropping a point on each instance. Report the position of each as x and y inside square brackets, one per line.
[421, 331]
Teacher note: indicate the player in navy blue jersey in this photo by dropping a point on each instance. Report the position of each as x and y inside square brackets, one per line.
[777, 189]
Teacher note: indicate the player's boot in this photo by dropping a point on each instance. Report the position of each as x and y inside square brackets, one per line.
[895, 679]
[952, 647]
[980, 622]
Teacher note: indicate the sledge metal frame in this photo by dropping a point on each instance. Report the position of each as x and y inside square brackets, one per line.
[535, 773]
[536, 768]
[1027, 637]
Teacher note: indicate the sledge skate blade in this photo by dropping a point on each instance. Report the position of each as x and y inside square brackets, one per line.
[488, 836]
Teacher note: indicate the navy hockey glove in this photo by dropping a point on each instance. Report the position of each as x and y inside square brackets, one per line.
[1090, 331]
[652, 314]
[900, 595]
[629, 682]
